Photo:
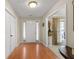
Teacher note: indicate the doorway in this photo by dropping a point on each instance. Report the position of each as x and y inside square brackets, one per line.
[56, 31]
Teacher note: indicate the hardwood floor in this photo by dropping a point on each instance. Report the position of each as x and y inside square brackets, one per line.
[32, 51]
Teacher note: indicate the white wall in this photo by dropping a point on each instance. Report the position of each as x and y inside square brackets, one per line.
[69, 23]
[43, 31]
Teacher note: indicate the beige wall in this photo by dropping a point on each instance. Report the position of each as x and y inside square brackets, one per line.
[69, 23]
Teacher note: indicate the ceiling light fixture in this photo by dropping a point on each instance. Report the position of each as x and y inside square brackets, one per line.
[32, 4]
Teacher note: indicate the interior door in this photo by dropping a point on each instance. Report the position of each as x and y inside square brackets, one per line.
[30, 31]
[10, 33]
[13, 33]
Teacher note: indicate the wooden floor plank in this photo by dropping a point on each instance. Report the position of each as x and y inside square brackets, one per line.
[32, 51]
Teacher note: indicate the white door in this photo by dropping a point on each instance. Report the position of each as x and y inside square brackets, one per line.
[10, 33]
[30, 31]
[13, 33]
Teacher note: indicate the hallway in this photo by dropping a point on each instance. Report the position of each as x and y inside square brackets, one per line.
[29, 23]
[32, 51]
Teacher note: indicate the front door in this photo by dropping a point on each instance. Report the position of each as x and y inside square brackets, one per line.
[30, 31]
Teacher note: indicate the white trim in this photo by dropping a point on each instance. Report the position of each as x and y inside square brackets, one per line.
[10, 13]
[43, 43]
[37, 31]
[24, 35]
[46, 32]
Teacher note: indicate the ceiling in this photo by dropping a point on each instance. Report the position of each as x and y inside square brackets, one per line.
[22, 10]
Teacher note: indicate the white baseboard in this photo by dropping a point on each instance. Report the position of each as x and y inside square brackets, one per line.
[43, 43]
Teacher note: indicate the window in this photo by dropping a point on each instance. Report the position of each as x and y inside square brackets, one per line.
[62, 31]
[37, 31]
[24, 36]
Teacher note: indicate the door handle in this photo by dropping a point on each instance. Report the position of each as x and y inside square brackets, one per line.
[11, 35]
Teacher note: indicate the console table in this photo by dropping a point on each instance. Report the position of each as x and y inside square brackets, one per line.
[66, 52]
